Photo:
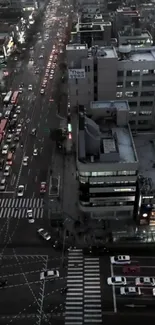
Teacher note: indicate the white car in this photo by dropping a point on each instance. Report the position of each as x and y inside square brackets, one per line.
[117, 280]
[9, 138]
[20, 191]
[20, 90]
[130, 291]
[51, 77]
[44, 234]
[19, 128]
[153, 291]
[15, 116]
[145, 281]
[49, 274]
[2, 184]
[5, 149]
[7, 114]
[35, 152]
[25, 161]
[7, 170]
[120, 259]
[30, 216]
[18, 110]
[30, 87]
[42, 91]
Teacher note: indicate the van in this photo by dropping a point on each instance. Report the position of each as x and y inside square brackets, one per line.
[9, 158]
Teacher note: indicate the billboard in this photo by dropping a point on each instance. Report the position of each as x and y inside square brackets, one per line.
[76, 73]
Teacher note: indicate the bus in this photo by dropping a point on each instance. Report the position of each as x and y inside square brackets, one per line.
[7, 98]
[14, 97]
[3, 124]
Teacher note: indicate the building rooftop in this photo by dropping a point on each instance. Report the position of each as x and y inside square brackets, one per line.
[145, 147]
[101, 139]
[105, 52]
[143, 55]
[128, 11]
[137, 33]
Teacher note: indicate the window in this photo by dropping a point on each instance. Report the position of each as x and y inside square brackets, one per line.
[95, 78]
[86, 69]
[148, 83]
[76, 81]
[145, 113]
[129, 73]
[133, 104]
[135, 72]
[145, 71]
[89, 81]
[77, 92]
[129, 93]
[120, 84]
[132, 84]
[120, 73]
[146, 103]
[119, 94]
[147, 93]
[132, 113]
[143, 122]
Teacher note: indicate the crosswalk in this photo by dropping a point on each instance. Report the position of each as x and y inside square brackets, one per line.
[17, 208]
[83, 299]
[21, 203]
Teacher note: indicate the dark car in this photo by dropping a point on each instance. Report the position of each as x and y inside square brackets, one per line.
[1, 164]
[13, 147]
[131, 269]
[16, 138]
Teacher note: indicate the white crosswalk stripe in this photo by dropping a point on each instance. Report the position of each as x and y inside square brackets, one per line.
[83, 299]
[92, 291]
[8, 208]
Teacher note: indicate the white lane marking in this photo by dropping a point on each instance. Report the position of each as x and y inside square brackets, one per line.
[13, 179]
[113, 290]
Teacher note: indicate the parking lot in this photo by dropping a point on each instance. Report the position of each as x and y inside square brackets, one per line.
[114, 302]
[25, 297]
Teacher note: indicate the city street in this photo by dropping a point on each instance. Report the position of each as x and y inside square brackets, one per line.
[34, 299]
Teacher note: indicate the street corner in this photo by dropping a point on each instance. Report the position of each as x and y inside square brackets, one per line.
[22, 294]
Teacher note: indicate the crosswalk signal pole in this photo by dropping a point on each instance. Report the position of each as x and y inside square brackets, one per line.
[63, 249]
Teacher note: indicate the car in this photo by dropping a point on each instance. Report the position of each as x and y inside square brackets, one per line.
[16, 138]
[1, 164]
[130, 291]
[116, 280]
[25, 161]
[9, 138]
[30, 87]
[145, 281]
[7, 170]
[51, 77]
[20, 190]
[43, 187]
[41, 56]
[46, 74]
[35, 152]
[36, 71]
[18, 110]
[49, 274]
[47, 70]
[13, 147]
[20, 90]
[42, 91]
[30, 216]
[120, 259]
[51, 100]
[7, 114]
[33, 131]
[44, 234]
[42, 47]
[5, 149]
[2, 184]
[19, 129]
[15, 117]
[153, 291]
[15, 59]
[131, 269]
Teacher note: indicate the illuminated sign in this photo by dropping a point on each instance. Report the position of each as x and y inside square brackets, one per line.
[76, 73]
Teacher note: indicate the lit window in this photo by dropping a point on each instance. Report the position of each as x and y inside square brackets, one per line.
[145, 113]
[135, 72]
[132, 113]
[119, 94]
[145, 71]
[129, 93]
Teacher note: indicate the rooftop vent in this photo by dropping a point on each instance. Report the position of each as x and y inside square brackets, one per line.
[125, 49]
